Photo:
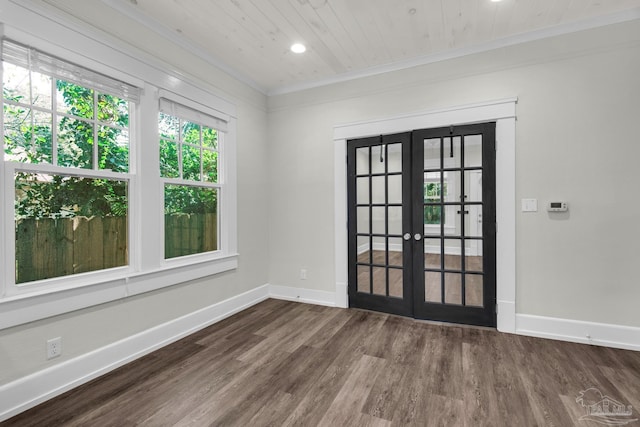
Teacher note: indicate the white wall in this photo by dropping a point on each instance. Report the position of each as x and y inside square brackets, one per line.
[22, 348]
[576, 140]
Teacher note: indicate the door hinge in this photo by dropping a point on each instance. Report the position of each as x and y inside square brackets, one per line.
[496, 228]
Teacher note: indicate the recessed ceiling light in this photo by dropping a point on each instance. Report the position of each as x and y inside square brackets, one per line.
[298, 48]
[495, 1]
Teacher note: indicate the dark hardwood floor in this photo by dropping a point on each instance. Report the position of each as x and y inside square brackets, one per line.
[284, 363]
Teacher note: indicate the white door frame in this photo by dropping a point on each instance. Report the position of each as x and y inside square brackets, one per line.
[503, 112]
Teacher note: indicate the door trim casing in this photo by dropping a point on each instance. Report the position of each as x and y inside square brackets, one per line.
[503, 112]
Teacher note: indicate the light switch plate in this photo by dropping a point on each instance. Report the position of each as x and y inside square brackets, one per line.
[529, 205]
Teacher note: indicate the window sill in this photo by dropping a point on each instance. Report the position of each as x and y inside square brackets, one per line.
[28, 307]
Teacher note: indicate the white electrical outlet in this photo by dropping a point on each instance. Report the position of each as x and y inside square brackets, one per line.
[54, 347]
[303, 274]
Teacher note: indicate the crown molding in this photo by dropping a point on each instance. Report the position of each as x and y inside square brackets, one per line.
[124, 7]
[128, 10]
[587, 24]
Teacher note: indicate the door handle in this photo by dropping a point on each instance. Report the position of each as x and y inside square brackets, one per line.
[464, 212]
[417, 236]
[407, 236]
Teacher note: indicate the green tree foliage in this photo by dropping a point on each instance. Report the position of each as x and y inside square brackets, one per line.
[28, 138]
[199, 162]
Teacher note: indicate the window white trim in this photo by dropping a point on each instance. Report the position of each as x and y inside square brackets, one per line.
[36, 60]
[503, 112]
[147, 270]
[176, 105]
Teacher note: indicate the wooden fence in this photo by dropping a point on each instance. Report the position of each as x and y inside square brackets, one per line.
[188, 234]
[48, 248]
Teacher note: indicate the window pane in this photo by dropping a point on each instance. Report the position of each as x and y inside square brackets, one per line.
[15, 83]
[210, 138]
[190, 163]
[191, 220]
[210, 165]
[169, 159]
[113, 110]
[75, 143]
[168, 126]
[75, 100]
[27, 139]
[41, 90]
[191, 133]
[68, 225]
[113, 149]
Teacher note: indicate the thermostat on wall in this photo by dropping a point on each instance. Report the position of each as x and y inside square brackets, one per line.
[557, 207]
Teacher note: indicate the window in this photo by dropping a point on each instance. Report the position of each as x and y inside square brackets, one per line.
[84, 204]
[190, 144]
[66, 149]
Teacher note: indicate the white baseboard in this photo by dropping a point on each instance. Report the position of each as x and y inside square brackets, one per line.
[602, 334]
[309, 296]
[29, 391]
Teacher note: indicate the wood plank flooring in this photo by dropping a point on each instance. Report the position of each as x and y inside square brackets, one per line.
[288, 364]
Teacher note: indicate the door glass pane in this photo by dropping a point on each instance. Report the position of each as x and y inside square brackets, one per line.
[364, 250]
[395, 188]
[452, 257]
[378, 192]
[454, 225]
[432, 153]
[394, 157]
[362, 161]
[432, 217]
[379, 219]
[364, 278]
[473, 186]
[432, 253]
[473, 221]
[473, 255]
[452, 288]
[378, 159]
[432, 286]
[473, 151]
[452, 152]
[395, 251]
[379, 281]
[395, 282]
[362, 220]
[473, 290]
[379, 251]
[395, 220]
[362, 191]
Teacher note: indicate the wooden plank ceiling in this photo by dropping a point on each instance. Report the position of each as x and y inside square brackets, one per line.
[343, 37]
